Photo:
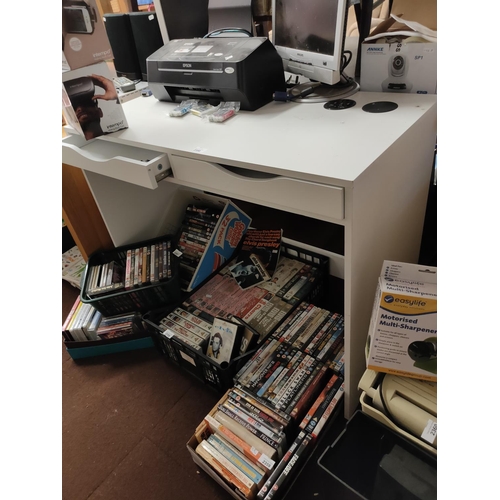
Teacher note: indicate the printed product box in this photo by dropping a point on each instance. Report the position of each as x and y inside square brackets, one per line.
[90, 101]
[402, 337]
[84, 38]
[399, 67]
[399, 60]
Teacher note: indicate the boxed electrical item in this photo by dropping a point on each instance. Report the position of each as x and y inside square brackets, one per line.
[402, 336]
[399, 56]
[90, 102]
[84, 38]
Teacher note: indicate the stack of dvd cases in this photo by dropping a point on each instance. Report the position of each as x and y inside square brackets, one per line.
[283, 398]
[131, 292]
[259, 310]
[255, 451]
[196, 231]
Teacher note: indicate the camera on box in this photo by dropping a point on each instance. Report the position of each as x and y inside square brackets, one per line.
[84, 38]
[78, 17]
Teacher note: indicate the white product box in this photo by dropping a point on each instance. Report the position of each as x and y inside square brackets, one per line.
[402, 60]
[90, 101]
[402, 337]
[399, 67]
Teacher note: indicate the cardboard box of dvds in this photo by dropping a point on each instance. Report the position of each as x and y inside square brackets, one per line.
[402, 336]
[84, 38]
[90, 102]
[202, 432]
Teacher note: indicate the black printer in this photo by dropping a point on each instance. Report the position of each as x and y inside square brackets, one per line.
[244, 69]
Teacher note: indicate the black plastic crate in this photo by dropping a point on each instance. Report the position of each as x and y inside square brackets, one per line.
[138, 299]
[195, 362]
[318, 291]
[205, 368]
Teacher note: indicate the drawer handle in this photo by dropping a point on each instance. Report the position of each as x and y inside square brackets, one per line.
[246, 173]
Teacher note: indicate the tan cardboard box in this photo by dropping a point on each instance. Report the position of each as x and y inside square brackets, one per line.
[84, 38]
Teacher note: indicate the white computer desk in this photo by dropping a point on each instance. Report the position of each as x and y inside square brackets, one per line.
[365, 173]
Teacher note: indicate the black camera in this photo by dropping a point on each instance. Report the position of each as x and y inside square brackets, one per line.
[398, 66]
[78, 17]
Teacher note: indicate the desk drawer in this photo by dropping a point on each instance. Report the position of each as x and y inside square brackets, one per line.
[306, 198]
[138, 166]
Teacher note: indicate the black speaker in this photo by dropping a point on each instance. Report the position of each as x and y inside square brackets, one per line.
[121, 39]
[147, 36]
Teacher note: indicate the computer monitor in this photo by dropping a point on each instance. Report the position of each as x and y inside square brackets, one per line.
[309, 37]
[186, 19]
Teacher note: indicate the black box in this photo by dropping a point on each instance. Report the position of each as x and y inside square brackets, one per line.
[376, 463]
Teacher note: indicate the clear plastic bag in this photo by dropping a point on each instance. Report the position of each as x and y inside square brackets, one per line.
[184, 107]
[203, 108]
[224, 111]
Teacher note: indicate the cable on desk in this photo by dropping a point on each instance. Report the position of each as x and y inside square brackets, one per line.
[228, 30]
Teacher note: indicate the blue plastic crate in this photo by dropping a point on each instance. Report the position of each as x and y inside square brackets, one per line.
[99, 347]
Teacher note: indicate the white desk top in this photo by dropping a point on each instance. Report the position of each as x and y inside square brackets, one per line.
[304, 141]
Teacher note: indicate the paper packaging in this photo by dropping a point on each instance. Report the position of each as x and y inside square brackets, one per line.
[84, 38]
[399, 56]
[402, 337]
[98, 117]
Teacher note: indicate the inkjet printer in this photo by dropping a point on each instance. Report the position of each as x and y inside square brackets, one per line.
[244, 69]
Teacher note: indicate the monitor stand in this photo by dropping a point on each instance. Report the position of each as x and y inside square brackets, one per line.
[319, 92]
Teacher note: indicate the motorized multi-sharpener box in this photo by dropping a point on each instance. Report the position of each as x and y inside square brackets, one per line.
[402, 337]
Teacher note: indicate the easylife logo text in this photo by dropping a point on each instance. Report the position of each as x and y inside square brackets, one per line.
[411, 302]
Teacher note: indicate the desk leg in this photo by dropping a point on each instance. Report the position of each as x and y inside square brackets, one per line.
[81, 213]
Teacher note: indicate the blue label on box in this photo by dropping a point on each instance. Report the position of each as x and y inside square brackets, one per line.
[233, 224]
